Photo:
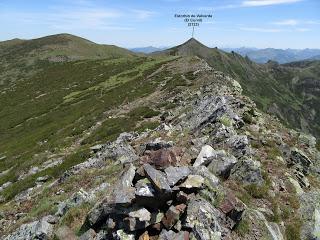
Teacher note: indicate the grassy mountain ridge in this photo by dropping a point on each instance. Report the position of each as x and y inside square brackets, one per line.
[61, 153]
[20, 58]
[72, 47]
[284, 90]
[64, 99]
[49, 109]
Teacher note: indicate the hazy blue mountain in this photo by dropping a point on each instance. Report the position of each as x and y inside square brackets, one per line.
[149, 49]
[278, 55]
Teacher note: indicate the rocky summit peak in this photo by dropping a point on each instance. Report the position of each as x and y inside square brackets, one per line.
[191, 47]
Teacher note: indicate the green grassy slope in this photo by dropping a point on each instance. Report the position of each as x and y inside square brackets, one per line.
[21, 58]
[44, 113]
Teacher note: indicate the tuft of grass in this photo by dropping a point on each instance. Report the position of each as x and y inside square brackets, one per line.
[276, 216]
[243, 227]
[143, 112]
[257, 191]
[147, 125]
[294, 201]
[318, 144]
[75, 217]
[245, 197]
[293, 229]
[247, 118]
[273, 152]
[44, 207]
[226, 121]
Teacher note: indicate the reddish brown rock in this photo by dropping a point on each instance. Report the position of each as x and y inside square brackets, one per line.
[172, 215]
[166, 157]
[232, 207]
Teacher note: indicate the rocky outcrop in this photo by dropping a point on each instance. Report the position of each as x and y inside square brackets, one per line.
[119, 151]
[164, 203]
[36, 230]
[299, 159]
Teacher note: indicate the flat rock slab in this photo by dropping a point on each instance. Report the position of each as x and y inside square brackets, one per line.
[124, 192]
[193, 181]
[157, 178]
[176, 174]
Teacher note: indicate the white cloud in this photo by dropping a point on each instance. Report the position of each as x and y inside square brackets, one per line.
[274, 30]
[142, 14]
[288, 22]
[313, 22]
[303, 29]
[266, 30]
[221, 7]
[255, 3]
[78, 15]
[294, 22]
[249, 3]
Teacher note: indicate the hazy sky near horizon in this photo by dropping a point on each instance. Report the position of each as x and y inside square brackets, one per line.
[136, 23]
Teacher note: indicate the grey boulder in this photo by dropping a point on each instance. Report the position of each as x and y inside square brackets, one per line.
[176, 174]
[205, 156]
[247, 171]
[221, 165]
[157, 178]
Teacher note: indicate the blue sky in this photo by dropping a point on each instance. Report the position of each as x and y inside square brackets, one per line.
[134, 23]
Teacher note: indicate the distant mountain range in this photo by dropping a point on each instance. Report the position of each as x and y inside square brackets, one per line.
[149, 49]
[278, 55]
[257, 55]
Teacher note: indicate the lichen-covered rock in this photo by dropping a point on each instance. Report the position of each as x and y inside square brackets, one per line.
[88, 235]
[193, 181]
[205, 220]
[122, 235]
[307, 140]
[207, 110]
[209, 177]
[144, 188]
[309, 212]
[222, 164]
[124, 192]
[238, 144]
[247, 171]
[76, 199]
